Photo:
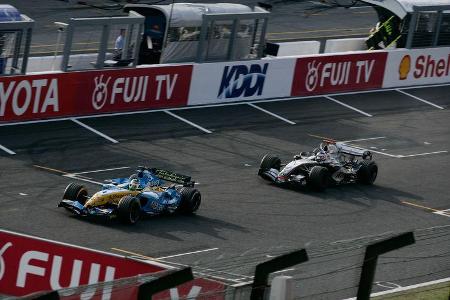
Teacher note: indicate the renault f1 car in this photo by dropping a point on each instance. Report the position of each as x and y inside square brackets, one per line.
[127, 199]
[331, 163]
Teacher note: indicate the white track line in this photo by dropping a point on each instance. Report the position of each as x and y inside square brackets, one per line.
[366, 139]
[348, 106]
[421, 154]
[271, 113]
[188, 253]
[445, 212]
[82, 179]
[406, 288]
[187, 121]
[103, 170]
[420, 99]
[94, 131]
[10, 152]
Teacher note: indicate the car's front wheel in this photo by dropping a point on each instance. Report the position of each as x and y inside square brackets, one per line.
[319, 178]
[76, 192]
[129, 210]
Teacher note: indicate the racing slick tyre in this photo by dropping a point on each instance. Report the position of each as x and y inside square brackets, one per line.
[76, 192]
[129, 210]
[270, 162]
[319, 178]
[368, 172]
[190, 200]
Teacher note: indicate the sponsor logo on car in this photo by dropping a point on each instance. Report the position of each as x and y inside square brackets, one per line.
[29, 96]
[242, 80]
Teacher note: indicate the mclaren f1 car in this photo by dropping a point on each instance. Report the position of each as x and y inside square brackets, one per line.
[331, 163]
[149, 191]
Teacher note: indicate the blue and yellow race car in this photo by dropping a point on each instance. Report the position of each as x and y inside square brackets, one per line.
[127, 199]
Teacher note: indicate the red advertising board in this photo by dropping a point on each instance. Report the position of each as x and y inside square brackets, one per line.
[29, 264]
[34, 97]
[337, 73]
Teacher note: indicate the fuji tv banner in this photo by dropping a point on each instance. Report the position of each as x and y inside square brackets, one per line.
[338, 73]
[239, 81]
[417, 67]
[31, 97]
[30, 264]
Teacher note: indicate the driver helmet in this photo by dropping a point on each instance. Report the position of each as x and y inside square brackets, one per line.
[332, 149]
[321, 156]
[134, 184]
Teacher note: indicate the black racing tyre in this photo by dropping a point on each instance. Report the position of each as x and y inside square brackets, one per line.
[319, 178]
[190, 200]
[129, 210]
[368, 172]
[76, 192]
[270, 161]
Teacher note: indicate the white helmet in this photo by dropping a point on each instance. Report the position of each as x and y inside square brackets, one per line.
[332, 149]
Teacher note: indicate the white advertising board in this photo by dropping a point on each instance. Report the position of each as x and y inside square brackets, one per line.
[417, 67]
[238, 81]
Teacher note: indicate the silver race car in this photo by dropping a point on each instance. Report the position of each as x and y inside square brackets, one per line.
[331, 163]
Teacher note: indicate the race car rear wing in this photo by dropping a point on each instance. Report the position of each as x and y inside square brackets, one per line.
[171, 176]
[353, 150]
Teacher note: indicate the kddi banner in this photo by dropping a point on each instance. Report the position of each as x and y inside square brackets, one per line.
[417, 67]
[25, 98]
[238, 81]
[337, 73]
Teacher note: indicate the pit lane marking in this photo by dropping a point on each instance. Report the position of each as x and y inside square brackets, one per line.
[420, 99]
[9, 151]
[348, 106]
[73, 176]
[103, 170]
[187, 121]
[365, 139]
[50, 169]
[94, 131]
[445, 212]
[188, 253]
[272, 114]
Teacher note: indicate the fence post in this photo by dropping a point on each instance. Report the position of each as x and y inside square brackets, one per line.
[371, 257]
[173, 279]
[263, 270]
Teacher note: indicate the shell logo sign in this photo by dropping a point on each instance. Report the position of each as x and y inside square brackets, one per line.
[417, 67]
[405, 67]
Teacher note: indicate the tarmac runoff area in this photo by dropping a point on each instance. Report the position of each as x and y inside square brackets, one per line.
[244, 220]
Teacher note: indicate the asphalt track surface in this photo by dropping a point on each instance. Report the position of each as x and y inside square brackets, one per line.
[244, 220]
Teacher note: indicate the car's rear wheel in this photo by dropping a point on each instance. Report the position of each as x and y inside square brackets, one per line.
[319, 178]
[76, 192]
[129, 210]
[368, 172]
[190, 200]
